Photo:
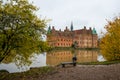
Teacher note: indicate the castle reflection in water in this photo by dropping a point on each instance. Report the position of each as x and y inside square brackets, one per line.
[56, 57]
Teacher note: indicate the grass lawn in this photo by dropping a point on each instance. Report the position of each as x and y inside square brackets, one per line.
[100, 63]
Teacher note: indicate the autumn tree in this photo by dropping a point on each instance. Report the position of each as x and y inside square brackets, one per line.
[20, 29]
[110, 43]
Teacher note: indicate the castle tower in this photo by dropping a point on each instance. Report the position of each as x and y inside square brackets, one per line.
[94, 31]
[94, 38]
[49, 29]
[71, 27]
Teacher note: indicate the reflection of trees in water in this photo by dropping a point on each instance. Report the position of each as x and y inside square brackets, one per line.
[87, 55]
[20, 60]
[54, 58]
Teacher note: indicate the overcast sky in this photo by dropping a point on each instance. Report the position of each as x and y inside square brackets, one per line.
[89, 13]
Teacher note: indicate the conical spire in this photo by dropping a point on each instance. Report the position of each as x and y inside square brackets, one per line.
[71, 26]
[49, 29]
[94, 31]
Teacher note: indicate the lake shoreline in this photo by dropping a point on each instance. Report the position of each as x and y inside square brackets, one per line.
[80, 72]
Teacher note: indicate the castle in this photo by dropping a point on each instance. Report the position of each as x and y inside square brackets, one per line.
[85, 38]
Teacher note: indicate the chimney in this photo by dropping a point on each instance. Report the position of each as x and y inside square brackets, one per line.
[84, 27]
[90, 28]
[53, 28]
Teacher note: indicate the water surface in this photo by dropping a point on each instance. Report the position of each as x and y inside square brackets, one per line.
[54, 58]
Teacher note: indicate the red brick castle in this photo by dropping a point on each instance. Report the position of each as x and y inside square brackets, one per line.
[85, 38]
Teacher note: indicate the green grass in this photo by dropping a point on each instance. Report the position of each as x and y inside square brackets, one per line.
[100, 63]
[32, 73]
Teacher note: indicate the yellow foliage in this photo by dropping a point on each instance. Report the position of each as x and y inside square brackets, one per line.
[110, 43]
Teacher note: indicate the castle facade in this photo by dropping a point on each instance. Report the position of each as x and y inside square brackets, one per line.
[84, 38]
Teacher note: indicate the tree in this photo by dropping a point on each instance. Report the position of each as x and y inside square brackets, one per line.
[110, 43]
[20, 29]
[75, 45]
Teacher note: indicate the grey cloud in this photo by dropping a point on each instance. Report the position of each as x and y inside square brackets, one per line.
[82, 12]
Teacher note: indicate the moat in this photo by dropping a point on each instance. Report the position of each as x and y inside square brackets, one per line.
[52, 58]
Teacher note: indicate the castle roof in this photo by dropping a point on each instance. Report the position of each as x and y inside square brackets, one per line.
[69, 33]
[82, 31]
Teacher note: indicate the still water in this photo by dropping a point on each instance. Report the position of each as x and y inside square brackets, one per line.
[53, 58]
